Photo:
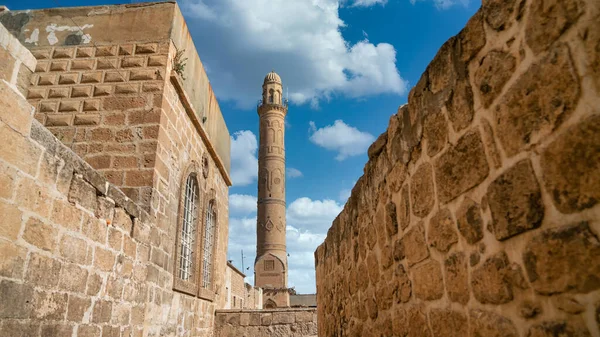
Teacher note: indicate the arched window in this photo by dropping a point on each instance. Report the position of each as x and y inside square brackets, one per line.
[208, 245]
[271, 96]
[187, 230]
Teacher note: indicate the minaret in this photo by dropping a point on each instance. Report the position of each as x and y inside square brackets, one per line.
[270, 267]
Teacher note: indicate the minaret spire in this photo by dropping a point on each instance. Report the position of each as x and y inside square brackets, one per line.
[270, 267]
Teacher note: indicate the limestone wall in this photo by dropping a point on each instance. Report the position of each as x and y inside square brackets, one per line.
[266, 323]
[477, 214]
[78, 257]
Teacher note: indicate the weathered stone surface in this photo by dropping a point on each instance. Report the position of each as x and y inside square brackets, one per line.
[564, 259]
[43, 271]
[413, 242]
[571, 167]
[441, 233]
[460, 105]
[515, 201]
[40, 234]
[575, 328]
[435, 132]
[461, 167]
[16, 299]
[472, 37]
[404, 288]
[447, 322]
[50, 306]
[470, 223]
[495, 70]
[488, 324]
[538, 102]
[428, 281]
[422, 192]
[457, 278]
[391, 220]
[489, 283]
[498, 13]
[548, 20]
[377, 146]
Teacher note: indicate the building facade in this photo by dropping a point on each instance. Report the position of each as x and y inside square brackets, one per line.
[114, 176]
[270, 267]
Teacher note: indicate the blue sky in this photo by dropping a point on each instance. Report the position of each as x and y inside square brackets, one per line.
[347, 65]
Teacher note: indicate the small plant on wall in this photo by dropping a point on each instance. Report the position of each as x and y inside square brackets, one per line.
[179, 62]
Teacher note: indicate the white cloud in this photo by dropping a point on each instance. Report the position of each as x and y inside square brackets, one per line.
[242, 204]
[346, 140]
[293, 173]
[315, 215]
[368, 3]
[300, 39]
[244, 164]
[444, 4]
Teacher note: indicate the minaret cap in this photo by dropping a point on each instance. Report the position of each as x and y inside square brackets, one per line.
[272, 77]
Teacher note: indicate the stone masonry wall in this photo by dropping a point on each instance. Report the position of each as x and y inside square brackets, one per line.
[478, 214]
[80, 258]
[266, 323]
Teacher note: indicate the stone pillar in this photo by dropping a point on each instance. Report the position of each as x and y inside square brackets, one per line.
[270, 267]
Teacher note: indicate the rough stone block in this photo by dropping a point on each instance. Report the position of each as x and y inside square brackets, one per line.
[40, 234]
[574, 328]
[43, 271]
[91, 105]
[94, 284]
[69, 78]
[58, 93]
[84, 52]
[88, 120]
[428, 281]
[73, 249]
[106, 63]
[159, 60]
[11, 221]
[571, 167]
[538, 102]
[73, 278]
[50, 306]
[59, 65]
[83, 91]
[447, 322]
[56, 329]
[13, 259]
[91, 77]
[104, 259]
[102, 90]
[495, 70]
[36, 93]
[460, 105]
[489, 281]
[83, 193]
[515, 201]
[77, 307]
[461, 167]
[441, 232]
[32, 196]
[489, 324]
[131, 62]
[457, 278]
[403, 291]
[16, 299]
[124, 103]
[102, 311]
[47, 79]
[414, 244]
[60, 53]
[115, 76]
[548, 20]
[470, 223]
[283, 318]
[59, 120]
[435, 131]
[82, 64]
[129, 88]
[106, 51]
[69, 106]
[422, 193]
[564, 259]
[146, 48]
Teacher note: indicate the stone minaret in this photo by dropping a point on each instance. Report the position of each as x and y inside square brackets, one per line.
[270, 267]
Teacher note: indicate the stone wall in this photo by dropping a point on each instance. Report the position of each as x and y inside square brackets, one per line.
[77, 255]
[477, 214]
[266, 323]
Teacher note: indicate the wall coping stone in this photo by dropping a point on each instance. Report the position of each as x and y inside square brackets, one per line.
[191, 112]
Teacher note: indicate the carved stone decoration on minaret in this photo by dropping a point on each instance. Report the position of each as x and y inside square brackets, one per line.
[270, 267]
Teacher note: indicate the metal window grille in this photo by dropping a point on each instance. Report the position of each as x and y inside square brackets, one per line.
[209, 232]
[188, 228]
